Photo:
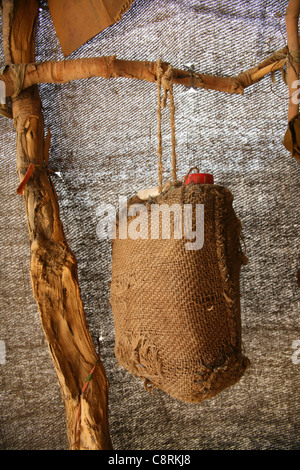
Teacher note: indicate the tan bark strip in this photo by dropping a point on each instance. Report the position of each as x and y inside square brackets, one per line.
[53, 266]
[7, 16]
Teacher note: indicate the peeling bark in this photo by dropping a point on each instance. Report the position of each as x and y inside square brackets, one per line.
[53, 266]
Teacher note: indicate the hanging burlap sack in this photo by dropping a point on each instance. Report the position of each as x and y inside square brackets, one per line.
[175, 296]
[177, 310]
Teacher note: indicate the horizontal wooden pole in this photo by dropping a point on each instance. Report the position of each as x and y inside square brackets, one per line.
[61, 72]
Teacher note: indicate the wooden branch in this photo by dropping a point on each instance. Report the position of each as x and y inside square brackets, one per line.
[107, 67]
[53, 266]
[293, 63]
[270, 68]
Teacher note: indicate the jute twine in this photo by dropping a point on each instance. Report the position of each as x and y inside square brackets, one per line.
[19, 71]
[165, 81]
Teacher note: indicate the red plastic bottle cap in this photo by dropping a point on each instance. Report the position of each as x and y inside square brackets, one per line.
[200, 178]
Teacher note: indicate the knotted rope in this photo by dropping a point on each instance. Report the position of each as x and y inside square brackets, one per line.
[165, 81]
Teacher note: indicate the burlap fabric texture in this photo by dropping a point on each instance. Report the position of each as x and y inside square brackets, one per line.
[177, 311]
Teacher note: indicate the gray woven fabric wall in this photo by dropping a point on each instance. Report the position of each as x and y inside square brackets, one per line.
[104, 146]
